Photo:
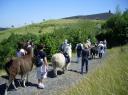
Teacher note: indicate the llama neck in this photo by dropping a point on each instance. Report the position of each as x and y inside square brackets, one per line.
[31, 53]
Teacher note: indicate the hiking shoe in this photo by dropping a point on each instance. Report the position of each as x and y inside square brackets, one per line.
[45, 76]
[41, 85]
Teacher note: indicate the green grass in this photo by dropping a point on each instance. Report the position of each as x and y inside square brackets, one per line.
[111, 78]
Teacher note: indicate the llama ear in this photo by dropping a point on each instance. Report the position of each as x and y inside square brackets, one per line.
[9, 58]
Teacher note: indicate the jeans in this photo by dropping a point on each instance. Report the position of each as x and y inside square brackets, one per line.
[100, 55]
[78, 59]
[84, 61]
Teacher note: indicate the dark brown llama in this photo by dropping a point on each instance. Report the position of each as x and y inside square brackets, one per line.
[21, 66]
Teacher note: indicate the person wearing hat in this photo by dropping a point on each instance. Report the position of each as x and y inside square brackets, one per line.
[64, 45]
[79, 48]
[101, 49]
[85, 55]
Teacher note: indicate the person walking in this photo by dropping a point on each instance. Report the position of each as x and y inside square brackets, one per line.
[65, 43]
[85, 55]
[42, 65]
[79, 48]
[20, 51]
[101, 49]
[105, 44]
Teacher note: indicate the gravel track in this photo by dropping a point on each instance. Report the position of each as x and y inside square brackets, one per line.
[52, 85]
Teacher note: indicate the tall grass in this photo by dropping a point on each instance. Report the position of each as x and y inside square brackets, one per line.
[111, 78]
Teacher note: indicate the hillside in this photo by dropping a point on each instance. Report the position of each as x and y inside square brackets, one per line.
[45, 27]
[100, 16]
[1, 29]
[52, 33]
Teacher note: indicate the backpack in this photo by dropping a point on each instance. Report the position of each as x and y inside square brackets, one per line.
[38, 61]
[101, 47]
[67, 58]
[79, 47]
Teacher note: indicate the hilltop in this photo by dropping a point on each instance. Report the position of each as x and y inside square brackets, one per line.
[100, 16]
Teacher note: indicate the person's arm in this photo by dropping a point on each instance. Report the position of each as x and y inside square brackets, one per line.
[45, 61]
[44, 57]
[88, 53]
[82, 46]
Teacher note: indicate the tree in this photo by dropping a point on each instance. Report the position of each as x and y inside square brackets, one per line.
[12, 26]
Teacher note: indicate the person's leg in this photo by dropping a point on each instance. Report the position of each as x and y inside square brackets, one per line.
[38, 74]
[45, 72]
[86, 65]
[99, 55]
[79, 59]
[40, 83]
[40, 78]
[82, 65]
[78, 56]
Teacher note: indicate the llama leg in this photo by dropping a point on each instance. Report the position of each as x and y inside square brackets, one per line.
[55, 72]
[24, 81]
[63, 70]
[54, 69]
[68, 66]
[7, 85]
[5, 93]
[19, 82]
[13, 83]
[27, 77]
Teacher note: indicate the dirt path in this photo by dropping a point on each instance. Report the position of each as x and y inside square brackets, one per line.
[52, 85]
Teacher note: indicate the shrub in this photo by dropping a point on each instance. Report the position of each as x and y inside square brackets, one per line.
[117, 29]
[75, 33]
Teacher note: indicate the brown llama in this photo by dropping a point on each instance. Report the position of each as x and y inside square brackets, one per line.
[22, 66]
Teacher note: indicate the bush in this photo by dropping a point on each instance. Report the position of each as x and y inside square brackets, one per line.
[117, 29]
[75, 33]
[9, 46]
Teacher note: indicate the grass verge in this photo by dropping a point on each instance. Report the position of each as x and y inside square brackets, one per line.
[109, 79]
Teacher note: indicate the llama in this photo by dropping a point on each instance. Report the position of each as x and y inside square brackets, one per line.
[22, 66]
[94, 51]
[62, 60]
[58, 61]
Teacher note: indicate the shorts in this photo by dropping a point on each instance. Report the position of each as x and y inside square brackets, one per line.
[41, 72]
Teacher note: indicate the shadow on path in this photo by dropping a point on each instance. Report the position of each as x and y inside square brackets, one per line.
[52, 75]
[74, 70]
[18, 83]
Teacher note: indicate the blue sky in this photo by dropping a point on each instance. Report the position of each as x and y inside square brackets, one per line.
[19, 12]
